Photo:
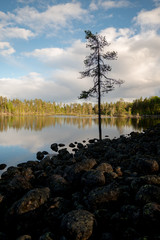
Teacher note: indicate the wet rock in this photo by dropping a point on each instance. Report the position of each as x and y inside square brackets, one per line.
[144, 180]
[80, 145]
[102, 196]
[73, 173]
[54, 147]
[40, 155]
[30, 201]
[78, 225]
[45, 152]
[47, 236]
[57, 208]
[151, 215]
[93, 178]
[3, 166]
[61, 145]
[147, 166]
[10, 173]
[24, 237]
[59, 186]
[106, 167]
[148, 193]
[71, 145]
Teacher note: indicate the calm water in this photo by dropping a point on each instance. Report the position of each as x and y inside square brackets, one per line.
[22, 137]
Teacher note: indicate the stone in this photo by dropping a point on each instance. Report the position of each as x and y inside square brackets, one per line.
[3, 166]
[93, 178]
[79, 145]
[24, 237]
[147, 166]
[71, 145]
[30, 201]
[148, 193]
[61, 145]
[106, 167]
[47, 236]
[73, 173]
[54, 147]
[59, 185]
[40, 155]
[100, 197]
[151, 214]
[78, 225]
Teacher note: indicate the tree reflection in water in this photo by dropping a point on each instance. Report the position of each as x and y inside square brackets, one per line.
[37, 123]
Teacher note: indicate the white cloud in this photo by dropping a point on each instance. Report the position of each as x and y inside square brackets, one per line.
[115, 4]
[15, 32]
[149, 19]
[71, 57]
[109, 4]
[6, 49]
[54, 17]
[138, 62]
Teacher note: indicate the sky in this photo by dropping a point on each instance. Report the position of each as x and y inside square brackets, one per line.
[43, 47]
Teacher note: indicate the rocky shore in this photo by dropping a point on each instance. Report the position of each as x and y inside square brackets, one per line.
[106, 190]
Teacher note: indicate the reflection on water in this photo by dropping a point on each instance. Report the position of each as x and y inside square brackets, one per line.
[22, 136]
[38, 123]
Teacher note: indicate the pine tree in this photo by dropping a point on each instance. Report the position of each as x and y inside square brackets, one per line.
[97, 69]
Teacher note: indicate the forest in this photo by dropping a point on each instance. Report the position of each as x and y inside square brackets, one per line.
[139, 107]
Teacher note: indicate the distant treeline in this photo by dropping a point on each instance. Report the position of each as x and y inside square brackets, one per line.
[147, 106]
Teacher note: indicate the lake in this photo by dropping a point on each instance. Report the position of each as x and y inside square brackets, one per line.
[21, 137]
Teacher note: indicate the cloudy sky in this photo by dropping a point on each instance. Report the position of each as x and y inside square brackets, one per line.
[42, 47]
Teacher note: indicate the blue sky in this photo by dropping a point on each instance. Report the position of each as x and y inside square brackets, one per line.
[42, 47]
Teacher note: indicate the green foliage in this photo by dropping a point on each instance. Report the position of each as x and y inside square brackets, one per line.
[139, 107]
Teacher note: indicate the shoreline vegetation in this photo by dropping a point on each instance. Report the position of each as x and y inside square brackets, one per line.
[108, 189]
[138, 108]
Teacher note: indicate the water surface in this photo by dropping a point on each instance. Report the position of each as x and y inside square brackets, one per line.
[22, 137]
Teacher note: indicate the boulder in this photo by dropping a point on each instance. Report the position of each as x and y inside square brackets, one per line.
[30, 201]
[102, 196]
[148, 193]
[54, 147]
[3, 166]
[40, 155]
[78, 225]
[24, 237]
[106, 167]
[93, 178]
[59, 186]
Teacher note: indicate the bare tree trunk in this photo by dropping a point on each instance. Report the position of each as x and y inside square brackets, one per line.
[99, 99]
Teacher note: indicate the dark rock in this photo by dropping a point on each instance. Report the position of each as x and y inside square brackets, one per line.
[148, 193]
[58, 185]
[92, 179]
[54, 147]
[80, 145]
[151, 215]
[10, 173]
[147, 166]
[61, 145]
[32, 200]
[102, 196]
[56, 210]
[71, 145]
[24, 237]
[73, 173]
[78, 225]
[45, 152]
[40, 155]
[3, 166]
[47, 236]
[106, 167]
